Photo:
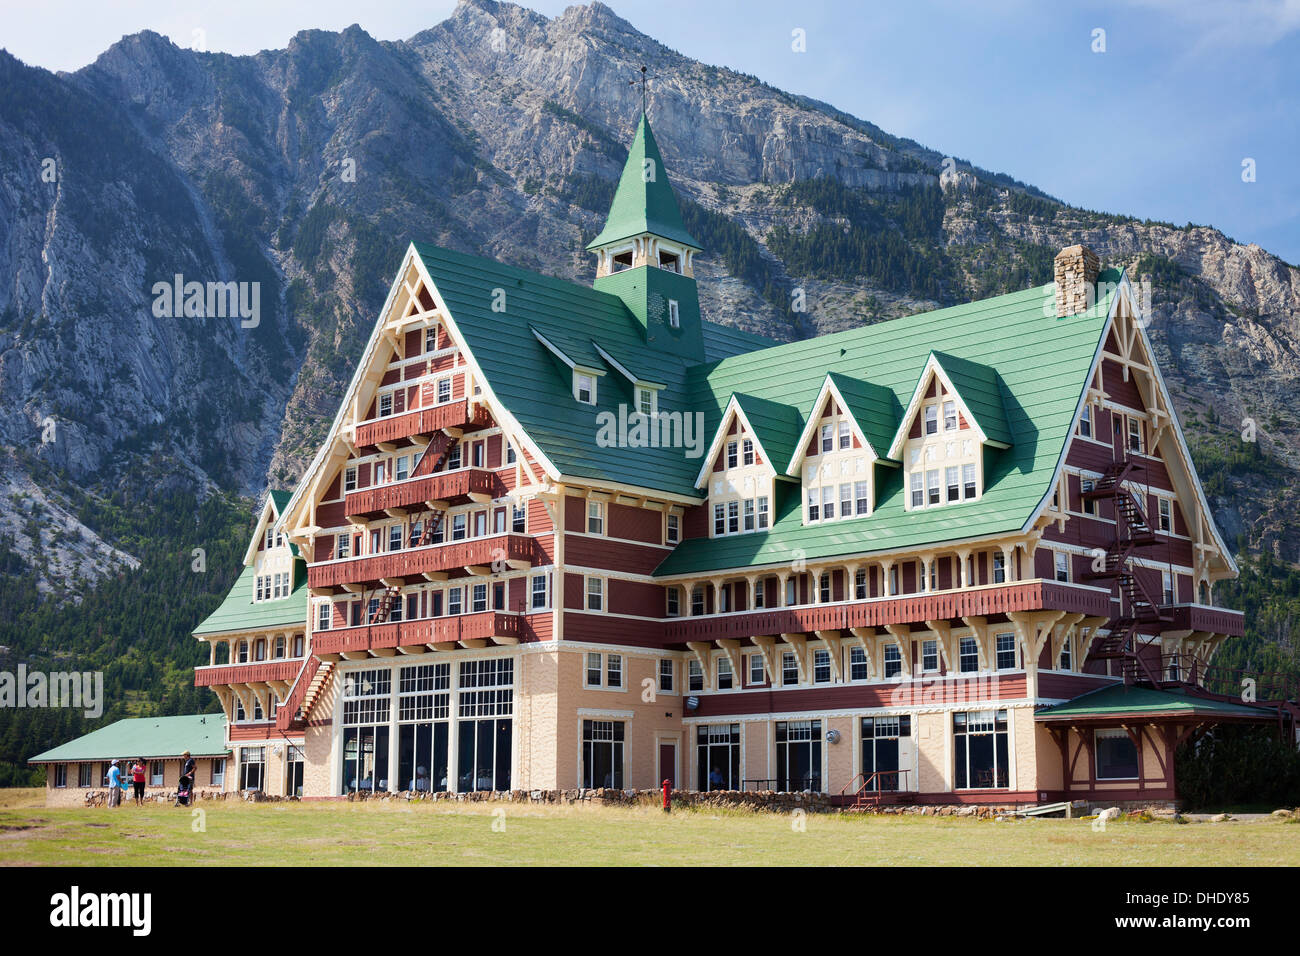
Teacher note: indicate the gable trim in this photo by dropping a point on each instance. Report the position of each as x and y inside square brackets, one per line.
[828, 388]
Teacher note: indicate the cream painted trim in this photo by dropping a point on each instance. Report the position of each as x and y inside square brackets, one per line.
[814, 420]
[720, 437]
[914, 406]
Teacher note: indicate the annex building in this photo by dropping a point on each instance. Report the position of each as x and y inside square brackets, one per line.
[563, 536]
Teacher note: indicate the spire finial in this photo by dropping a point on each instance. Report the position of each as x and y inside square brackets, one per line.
[642, 80]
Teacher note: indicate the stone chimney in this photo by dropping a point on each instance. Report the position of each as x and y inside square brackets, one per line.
[1076, 280]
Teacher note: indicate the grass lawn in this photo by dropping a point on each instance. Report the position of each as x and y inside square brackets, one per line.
[334, 834]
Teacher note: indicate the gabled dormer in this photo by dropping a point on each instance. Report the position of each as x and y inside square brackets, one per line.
[270, 554]
[645, 255]
[847, 433]
[740, 469]
[955, 414]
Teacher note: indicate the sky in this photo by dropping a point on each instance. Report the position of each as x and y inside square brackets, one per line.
[1176, 110]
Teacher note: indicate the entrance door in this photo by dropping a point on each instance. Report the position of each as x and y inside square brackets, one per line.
[667, 764]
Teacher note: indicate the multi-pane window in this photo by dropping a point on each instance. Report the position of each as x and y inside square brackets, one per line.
[252, 767]
[1085, 422]
[719, 519]
[952, 475]
[999, 568]
[594, 669]
[718, 756]
[85, 774]
[613, 670]
[733, 517]
[760, 594]
[385, 404]
[1067, 654]
[915, 481]
[857, 664]
[814, 505]
[828, 502]
[828, 437]
[1006, 651]
[968, 655]
[861, 497]
[757, 673]
[821, 666]
[60, 775]
[762, 512]
[1165, 508]
[584, 388]
[1135, 434]
[846, 500]
[697, 600]
[694, 675]
[932, 487]
[747, 451]
[349, 479]
[595, 594]
[324, 615]
[602, 753]
[798, 755]
[1086, 485]
[930, 655]
[846, 439]
[595, 517]
[982, 754]
[789, 669]
[931, 419]
[645, 401]
[893, 661]
[1062, 565]
[882, 741]
[725, 677]
[484, 742]
[968, 481]
[444, 391]
[674, 601]
[1167, 587]
[673, 531]
[731, 454]
[749, 515]
[860, 584]
[949, 416]
[667, 671]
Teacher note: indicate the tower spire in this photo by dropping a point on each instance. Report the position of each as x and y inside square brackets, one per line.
[642, 80]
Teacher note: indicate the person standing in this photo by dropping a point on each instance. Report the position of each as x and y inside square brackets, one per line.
[137, 778]
[114, 785]
[187, 774]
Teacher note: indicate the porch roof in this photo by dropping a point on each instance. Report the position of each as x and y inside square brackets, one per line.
[1128, 701]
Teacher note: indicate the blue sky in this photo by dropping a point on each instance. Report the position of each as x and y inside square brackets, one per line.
[1156, 126]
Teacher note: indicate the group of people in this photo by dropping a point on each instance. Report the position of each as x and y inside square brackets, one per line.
[119, 783]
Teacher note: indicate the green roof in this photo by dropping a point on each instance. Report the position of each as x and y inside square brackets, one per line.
[1118, 700]
[1042, 365]
[203, 735]
[239, 612]
[981, 389]
[777, 426]
[875, 408]
[644, 200]
[536, 387]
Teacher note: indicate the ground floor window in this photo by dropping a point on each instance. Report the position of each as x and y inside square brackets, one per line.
[60, 774]
[423, 734]
[1117, 757]
[484, 731]
[85, 775]
[218, 771]
[367, 705]
[602, 753]
[252, 768]
[155, 773]
[799, 755]
[294, 770]
[981, 749]
[881, 750]
[718, 756]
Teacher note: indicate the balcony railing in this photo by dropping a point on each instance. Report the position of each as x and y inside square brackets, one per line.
[482, 625]
[416, 561]
[899, 609]
[419, 421]
[440, 486]
[249, 673]
[1203, 617]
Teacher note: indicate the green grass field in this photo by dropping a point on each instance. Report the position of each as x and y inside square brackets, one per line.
[342, 834]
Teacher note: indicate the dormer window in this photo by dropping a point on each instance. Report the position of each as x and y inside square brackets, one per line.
[747, 451]
[622, 261]
[732, 454]
[931, 419]
[950, 416]
[669, 262]
[674, 315]
[645, 400]
[584, 388]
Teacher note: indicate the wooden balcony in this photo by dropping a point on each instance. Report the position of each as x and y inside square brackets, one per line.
[251, 673]
[454, 487]
[518, 549]
[447, 631]
[1203, 617]
[983, 601]
[419, 421]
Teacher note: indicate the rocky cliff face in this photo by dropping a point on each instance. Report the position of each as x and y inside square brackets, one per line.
[305, 171]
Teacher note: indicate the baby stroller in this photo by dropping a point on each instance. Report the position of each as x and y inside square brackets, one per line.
[183, 793]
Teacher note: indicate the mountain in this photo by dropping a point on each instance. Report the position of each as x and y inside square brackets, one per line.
[501, 132]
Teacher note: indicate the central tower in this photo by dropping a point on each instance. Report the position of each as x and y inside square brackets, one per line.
[645, 255]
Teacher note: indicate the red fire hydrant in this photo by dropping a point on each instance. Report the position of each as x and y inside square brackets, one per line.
[667, 790]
